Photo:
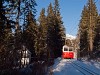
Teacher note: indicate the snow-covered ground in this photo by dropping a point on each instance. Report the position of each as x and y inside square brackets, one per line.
[71, 37]
[67, 67]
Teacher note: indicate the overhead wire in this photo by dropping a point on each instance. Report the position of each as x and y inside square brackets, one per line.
[96, 1]
[98, 4]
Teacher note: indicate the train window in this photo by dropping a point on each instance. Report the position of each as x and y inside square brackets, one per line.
[65, 49]
[70, 49]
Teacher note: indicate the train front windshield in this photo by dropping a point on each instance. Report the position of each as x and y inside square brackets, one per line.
[65, 49]
[70, 49]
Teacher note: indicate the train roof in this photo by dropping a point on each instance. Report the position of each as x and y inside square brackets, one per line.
[66, 46]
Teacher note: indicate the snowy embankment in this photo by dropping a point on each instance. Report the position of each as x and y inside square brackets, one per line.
[65, 67]
[50, 69]
[93, 65]
[56, 62]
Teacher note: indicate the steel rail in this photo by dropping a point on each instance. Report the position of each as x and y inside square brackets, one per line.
[78, 69]
[86, 69]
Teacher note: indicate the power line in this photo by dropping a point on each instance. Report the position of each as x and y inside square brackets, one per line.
[98, 5]
[96, 1]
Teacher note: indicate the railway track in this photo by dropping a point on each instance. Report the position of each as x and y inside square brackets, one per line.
[83, 70]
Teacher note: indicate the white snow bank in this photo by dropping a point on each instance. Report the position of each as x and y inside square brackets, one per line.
[71, 37]
[57, 61]
[92, 64]
[64, 66]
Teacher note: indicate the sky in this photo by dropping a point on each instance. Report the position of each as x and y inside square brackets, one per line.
[70, 11]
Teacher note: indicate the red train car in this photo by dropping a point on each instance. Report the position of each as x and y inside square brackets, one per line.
[67, 52]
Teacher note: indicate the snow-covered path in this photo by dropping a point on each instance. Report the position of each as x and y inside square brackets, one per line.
[66, 67]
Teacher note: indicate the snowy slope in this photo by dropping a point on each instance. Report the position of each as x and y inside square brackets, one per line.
[65, 67]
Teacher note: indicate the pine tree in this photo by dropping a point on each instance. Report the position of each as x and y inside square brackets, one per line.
[50, 31]
[42, 34]
[2, 23]
[59, 29]
[97, 39]
[6, 36]
[92, 12]
[83, 26]
[56, 31]
[2, 45]
[30, 33]
[8, 48]
[87, 28]
[29, 25]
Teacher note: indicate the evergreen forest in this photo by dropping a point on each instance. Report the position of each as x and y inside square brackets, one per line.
[43, 37]
[89, 31]
[20, 31]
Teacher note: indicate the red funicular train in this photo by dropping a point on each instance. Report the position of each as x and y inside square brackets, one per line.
[67, 52]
